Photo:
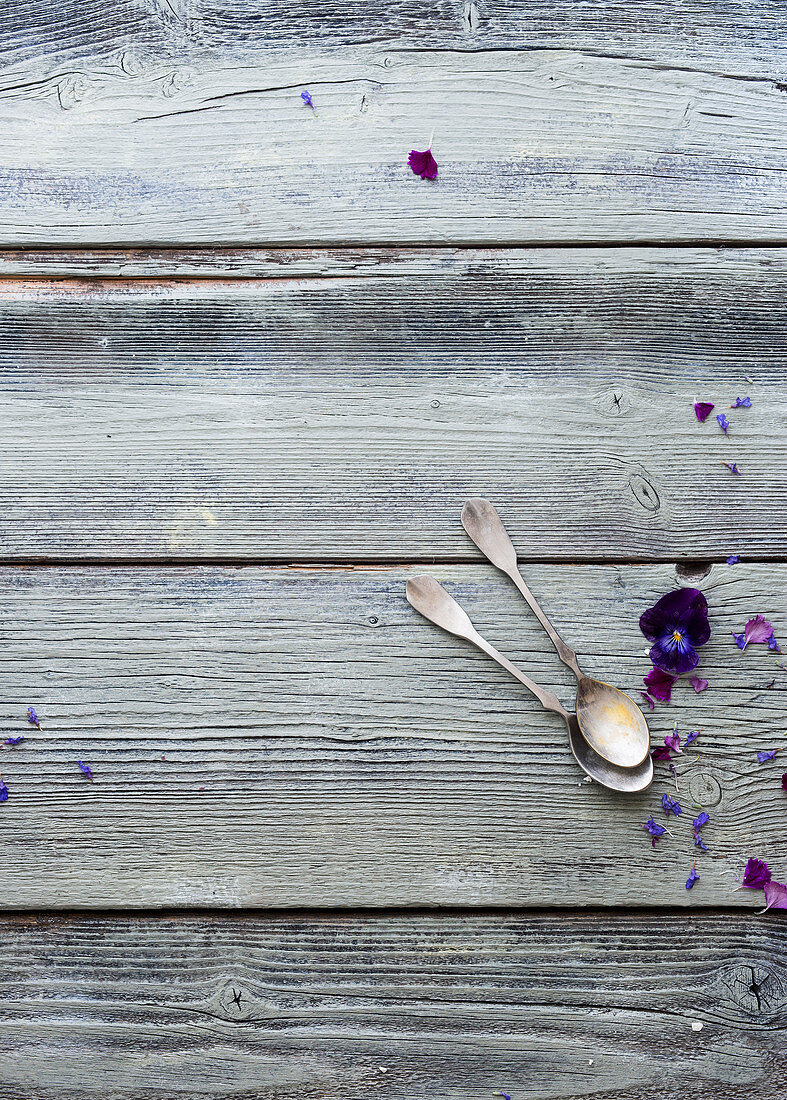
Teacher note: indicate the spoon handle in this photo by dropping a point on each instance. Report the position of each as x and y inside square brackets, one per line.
[434, 603]
[485, 528]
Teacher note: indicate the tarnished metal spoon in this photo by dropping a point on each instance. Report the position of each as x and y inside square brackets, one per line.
[434, 603]
[611, 722]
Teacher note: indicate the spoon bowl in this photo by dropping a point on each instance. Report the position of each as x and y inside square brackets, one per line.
[627, 780]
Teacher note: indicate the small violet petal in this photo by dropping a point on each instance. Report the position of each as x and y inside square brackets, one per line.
[699, 842]
[775, 895]
[784, 781]
[648, 699]
[763, 756]
[703, 409]
[698, 684]
[423, 164]
[723, 423]
[32, 717]
[672, 741]
[307, 99]
[659, 684]
[733, 559]
[670, 806]
[732, 467]
[756, 630]
[756, 874]
[693, 877]
[13, 740]
[701, 820]
[654, 829]
[661, 753]
[86, 770]
[3, 792]
[773, 644]
[741, 403]
[691, 736]
[740, 640]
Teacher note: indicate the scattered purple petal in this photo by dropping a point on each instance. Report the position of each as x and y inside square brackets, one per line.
[307, 99]
[698, 683]
[723, 423]
[692, 735]
[14, 740]
[670, 806]
[700, 820]
[677, 625]
[784, 781]
[661, 753]
[741, 403]
[659, 684]
[733, 559]
[654, 829]
[732, 467]
[762, 757]
[672, 741]
[423, 164]
[740, 640]
[756, 630]
[32, 717]
[756, 874]
[693, 877]
[699, 842]
[3, 791]
[775, 895]
[86, 770]
[773, 644]
[703, 409]
[648, 699]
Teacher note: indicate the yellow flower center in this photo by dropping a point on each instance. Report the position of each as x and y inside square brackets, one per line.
[677, 636]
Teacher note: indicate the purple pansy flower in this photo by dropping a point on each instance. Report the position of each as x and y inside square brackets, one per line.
[670, 806]
[693, 877]
[732, 467]
[86, 770]
[741, 403]
[654, 829]
[14, 740]
[692, 735]
[3, 791]
[307, 99]
[698, 683]
[733, 559]
[423, 164]
[723, 422]
[659, 684]
[756, 874]
[702, 410]
[762, 757]
[677, 625]
[32, 717]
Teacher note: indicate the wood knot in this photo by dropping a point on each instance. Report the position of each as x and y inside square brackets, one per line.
[234, 1001]
[756, 988]
[471, 18]
[644, 493]
[705, 789]
[613, 402]
[693, 571]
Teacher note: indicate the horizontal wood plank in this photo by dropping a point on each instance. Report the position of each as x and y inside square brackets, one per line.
[573, 122]
[538, 1007]
[345, 406]
[297, 737]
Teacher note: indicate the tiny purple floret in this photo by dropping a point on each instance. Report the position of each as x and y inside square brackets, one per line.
[723, 423]
[654, 829]
[423, 164]
[32, 717]
[692, 735]
[693, 877]
[86, 770]
[773, 644]
[3, 791]
[670, 806]
[307, 99]
[741, 403]
[763, 757]
[732, 467]
[700, 820]
[14, 740]
[733, 559]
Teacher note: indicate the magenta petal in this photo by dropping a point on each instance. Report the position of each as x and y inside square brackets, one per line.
[648, 700]
[703, 409]
[423, 164]
[775, 895]
[757, 630]
[698, 683]
[659, 684]
[756, 875]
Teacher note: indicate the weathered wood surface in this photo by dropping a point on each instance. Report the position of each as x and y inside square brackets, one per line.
[174, 123]
[461, 1008]
[348, 416]
[286, 737]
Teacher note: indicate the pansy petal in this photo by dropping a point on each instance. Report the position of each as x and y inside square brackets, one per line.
[756, 874]
[757, 629]
[775, 895]
[648, 700]
[698, 683]
[659, 684]
[423, 164]
[702, 410]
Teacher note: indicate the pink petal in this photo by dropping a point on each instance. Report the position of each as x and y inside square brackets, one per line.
[757, 630]
[775, 895]
[698, 683]
[423, 164]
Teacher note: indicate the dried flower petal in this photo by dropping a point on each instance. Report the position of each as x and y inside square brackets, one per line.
[648, 699]
[659, 684]
[661, 753]
[692, 735]
[741, 403]
[775, 895]
[732, 467]
[723, 423]
[784, 781]
[86, 770]
[702, 410]
[32, 717]
[763, 756]
[698, 683]
[656, 831]
[3, 791]
[307, 99]
[740, 640]
[423, 164]
[699, 842]
[756, 630]
[677, 625]
[670, 806]
[756, 874]
[693, 877]
[733, 559]
[700, 820]
[14, 740]
[773, 644]
[672, 741]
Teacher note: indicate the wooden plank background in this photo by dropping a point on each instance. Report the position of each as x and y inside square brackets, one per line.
[347, 416]
[293, 737]
[407, 1007]
[174, 123]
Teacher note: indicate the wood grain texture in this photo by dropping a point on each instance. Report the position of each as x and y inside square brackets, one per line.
[302, 737]
[348, 416]
[178, 123]
[409, 1008]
